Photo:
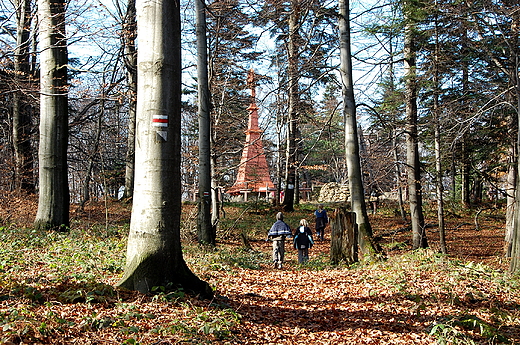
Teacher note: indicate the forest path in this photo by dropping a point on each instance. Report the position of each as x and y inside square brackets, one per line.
[298, 305]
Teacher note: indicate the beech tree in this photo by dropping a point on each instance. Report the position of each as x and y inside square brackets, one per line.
[355, 180]
[53, 202]
[154, 253]
[205, 232]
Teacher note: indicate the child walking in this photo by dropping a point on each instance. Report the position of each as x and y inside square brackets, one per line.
[303, 241]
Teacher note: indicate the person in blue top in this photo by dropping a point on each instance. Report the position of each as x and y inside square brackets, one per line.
[277, 234]
[321, 221]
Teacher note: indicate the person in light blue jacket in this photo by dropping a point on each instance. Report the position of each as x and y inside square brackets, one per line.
[278, 232]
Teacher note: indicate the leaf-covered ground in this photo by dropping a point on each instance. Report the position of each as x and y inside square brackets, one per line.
[59, 288]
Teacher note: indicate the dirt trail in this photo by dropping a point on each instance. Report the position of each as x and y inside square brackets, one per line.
[299, 306]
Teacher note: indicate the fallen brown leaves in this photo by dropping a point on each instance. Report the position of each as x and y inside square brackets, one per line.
[399, 301]
[352, 306]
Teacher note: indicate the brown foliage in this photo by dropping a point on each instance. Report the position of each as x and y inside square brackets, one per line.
[393, 302]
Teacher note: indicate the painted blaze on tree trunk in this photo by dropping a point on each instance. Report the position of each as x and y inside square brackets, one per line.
[154, 254]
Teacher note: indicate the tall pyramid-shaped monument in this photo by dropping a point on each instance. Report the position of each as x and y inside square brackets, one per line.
[253, 172]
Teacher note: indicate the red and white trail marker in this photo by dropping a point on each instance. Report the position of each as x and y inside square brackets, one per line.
[160, 120]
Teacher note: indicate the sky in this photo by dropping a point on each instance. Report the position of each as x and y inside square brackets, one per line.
[93, 30]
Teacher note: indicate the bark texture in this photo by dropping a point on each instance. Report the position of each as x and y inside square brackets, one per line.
[154, 253]
[352, 157]
[130, 60]
[413, 167]
[22, 110]
[53, 203]
[294, 98]
[344, 237]
[205, 232]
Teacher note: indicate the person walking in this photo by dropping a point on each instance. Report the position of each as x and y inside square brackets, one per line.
[278, 232]
[374, 200]
[303, 241]
[321, 221]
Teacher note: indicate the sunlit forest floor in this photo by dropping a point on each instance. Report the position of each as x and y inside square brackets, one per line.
[59, 288]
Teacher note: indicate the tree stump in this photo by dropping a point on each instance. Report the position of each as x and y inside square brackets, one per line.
[344, 244]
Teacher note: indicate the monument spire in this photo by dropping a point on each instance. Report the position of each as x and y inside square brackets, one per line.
[253, 172]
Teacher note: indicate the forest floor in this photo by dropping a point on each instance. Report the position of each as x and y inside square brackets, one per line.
[59, 288]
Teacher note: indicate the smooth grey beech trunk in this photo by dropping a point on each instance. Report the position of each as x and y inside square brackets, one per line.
[154, 254]
[205, 232]
[53, 202]
[355, 181]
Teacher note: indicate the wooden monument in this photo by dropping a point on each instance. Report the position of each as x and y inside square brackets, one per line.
[253, 177]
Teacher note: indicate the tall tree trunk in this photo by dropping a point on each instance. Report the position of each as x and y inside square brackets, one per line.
[515, 233]
[510, 198]
[395, 139]
[294, 100]
[205, 233]
[297, 186]
[438, 183]
[130, 60]
[412, 149]
[216, 203]
[85, 189]
[398, 178]
[24, 180]
[53, 203]
[464, 172]
[279, 156]
[357, 196]
[437, 141]
[465, 152]
[154, 253]
[513, 170]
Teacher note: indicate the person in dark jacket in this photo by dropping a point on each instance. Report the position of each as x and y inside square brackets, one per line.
[303, 241]
[277, 234]
[321, 221]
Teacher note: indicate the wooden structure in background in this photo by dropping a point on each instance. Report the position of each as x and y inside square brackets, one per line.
[253, 173]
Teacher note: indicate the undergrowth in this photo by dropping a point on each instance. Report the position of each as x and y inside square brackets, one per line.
[486, 295]
[42, 274]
